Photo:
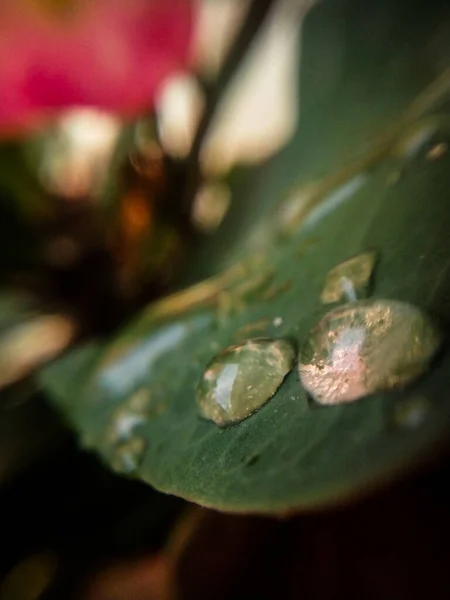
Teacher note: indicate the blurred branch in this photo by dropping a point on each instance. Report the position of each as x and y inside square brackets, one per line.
[256, 16]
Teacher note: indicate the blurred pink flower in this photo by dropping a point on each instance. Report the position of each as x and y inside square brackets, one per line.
[111, 54]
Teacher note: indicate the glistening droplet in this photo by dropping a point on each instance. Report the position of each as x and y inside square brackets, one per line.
[128, 415]
[127, 447]
[242, 378]
[349, 280]
[364, 347]
[128, 455]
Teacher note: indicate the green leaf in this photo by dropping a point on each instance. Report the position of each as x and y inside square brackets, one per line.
[374, 175]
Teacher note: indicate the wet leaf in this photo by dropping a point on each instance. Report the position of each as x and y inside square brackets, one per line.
[368, 179]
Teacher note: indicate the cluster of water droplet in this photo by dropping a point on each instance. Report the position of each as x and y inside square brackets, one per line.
[357, 349]
[128, 448]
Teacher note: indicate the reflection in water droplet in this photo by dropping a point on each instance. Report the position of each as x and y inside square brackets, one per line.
[350, 279]
[128, 455]
[411, 412]
[242, 378]
[364, 347]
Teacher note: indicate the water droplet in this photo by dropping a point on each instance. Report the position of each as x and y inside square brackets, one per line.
[364, 347]
[131, 413]
[350, 279]
[224, 395]
[128, 455]
[278, 321]
[410, 412]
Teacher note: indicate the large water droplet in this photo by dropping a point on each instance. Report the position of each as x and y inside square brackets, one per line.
[350, 279]
[364, 347]
[242, 378]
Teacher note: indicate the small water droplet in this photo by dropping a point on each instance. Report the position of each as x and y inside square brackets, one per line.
[350, 279]
[261, 363]
[410, 412]
[131, 413]
[364, 347]
[128, 455]
[278, 321]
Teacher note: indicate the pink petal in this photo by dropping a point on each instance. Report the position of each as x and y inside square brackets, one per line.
[112, 54]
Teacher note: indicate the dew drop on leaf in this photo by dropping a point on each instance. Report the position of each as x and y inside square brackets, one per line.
[127, 447]
[364, 347]
[349, 280]
[131, 413]
[242, 378]
[128, 455]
